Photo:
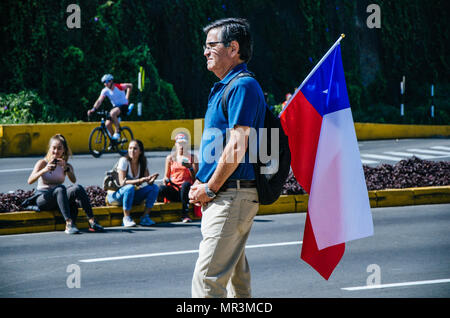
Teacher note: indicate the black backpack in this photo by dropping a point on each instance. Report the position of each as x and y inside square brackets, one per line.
[269, 185]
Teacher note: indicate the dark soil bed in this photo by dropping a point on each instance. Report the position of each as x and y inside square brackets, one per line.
[409, 173]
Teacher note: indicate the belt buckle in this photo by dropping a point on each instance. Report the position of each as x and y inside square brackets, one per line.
[238, 184]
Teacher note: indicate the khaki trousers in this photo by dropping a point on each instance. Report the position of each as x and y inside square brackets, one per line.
[222, 269]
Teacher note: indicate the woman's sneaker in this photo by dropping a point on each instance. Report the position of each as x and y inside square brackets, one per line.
[128, 221]
[95, 227]
[146, 221]
[71, 229]
[186, 220]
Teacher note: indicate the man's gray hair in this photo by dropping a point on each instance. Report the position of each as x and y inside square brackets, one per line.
[234, 29]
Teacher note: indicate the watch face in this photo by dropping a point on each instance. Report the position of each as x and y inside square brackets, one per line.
[210, 194]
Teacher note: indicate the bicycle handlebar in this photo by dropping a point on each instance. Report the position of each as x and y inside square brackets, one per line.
[102, 112]
[98, 113]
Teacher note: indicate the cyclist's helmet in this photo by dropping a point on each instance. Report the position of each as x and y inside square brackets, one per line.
[107, 78]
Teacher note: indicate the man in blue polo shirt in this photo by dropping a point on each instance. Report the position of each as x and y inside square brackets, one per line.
[225, 185]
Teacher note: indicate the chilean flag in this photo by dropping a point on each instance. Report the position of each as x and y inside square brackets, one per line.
[326, 163]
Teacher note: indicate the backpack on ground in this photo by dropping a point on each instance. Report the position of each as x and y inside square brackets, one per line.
[269, 185]
[111, 180]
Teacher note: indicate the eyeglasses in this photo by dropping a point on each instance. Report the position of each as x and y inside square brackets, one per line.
[209, 47]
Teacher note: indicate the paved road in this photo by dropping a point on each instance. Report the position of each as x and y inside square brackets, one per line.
[90, 171]
[410, 247]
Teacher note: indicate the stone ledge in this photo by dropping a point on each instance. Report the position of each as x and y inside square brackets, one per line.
[45, 221]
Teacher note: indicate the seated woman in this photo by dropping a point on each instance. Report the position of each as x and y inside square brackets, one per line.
[180, 170]
[50, 172]
[133, 172]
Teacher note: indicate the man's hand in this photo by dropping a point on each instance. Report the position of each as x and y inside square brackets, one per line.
[232, 155]
[197, 194]
[128, 87]
[90, 111]
[97, 104]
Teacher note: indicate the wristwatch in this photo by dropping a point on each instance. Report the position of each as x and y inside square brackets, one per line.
[210, 193]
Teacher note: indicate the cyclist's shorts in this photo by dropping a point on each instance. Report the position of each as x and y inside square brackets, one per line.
[123, 111]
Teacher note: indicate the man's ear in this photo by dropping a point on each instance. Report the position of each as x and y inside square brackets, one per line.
[234, 45]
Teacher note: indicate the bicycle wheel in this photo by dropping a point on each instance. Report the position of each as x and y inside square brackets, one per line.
[125, 137]
[97, 142]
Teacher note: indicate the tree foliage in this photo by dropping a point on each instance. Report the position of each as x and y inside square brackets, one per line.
[63, 66]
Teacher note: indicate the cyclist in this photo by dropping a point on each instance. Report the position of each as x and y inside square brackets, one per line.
[119, 95]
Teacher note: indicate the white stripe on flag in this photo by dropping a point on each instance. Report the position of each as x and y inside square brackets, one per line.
[338, 206]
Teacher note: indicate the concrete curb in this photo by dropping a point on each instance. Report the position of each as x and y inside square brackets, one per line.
[32, 139]
[31, 222]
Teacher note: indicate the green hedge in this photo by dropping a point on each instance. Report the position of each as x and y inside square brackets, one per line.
[64, 66]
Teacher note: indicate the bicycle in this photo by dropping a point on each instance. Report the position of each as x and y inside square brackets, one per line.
[100, 136]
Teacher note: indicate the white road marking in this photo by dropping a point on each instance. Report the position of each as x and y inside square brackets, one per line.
[391, 158]
[16, 170]
[432, 152]
[441, 148]
[116, 258]
[423, 282]
[274, 244]
[435, 152]
[368, 162]
[408, 154]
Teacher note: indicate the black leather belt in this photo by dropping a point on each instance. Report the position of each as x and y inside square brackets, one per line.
[238, 184]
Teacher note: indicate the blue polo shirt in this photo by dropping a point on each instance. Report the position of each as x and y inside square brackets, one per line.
[246, 107]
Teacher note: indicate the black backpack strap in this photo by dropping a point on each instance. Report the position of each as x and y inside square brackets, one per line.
[227, 90]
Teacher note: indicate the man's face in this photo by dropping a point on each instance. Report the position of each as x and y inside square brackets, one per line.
[108, 84]
[217, 56]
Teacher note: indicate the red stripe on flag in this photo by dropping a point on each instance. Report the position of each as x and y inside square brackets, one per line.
[323, 261]
[302, 123]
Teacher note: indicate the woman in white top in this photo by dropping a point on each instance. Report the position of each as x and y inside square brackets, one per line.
[51, 194]
[133, 173]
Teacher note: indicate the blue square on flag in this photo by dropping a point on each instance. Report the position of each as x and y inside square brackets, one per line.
[326, 89]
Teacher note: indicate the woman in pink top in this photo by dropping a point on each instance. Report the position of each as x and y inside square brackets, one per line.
[51, 194]
[181, 167]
